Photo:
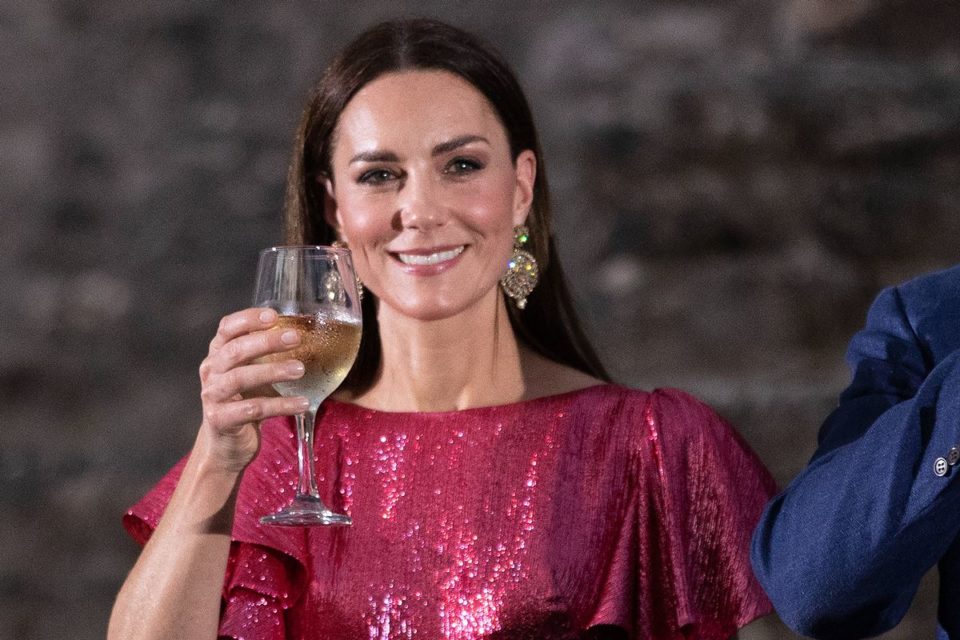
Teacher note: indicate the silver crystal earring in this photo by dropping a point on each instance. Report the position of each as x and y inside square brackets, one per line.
[340, 244]
[522, 270]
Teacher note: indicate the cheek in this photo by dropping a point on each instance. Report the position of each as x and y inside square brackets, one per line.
[364, 230]
[360, 229]
[363, 222]
[490, 207]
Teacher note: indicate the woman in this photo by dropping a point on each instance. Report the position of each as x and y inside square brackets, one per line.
[499, 486]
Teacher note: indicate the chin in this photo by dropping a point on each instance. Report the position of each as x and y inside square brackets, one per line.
[430, 312]
[427, 309]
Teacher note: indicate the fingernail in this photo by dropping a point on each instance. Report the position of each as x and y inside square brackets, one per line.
[303, 403]
[295, 369]
[267, 315]
[289, 337]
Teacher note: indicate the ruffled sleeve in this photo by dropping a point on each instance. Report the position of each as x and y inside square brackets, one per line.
[265, 570]
[679, 567]
[712, 490]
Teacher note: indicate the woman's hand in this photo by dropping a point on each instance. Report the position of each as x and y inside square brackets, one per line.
[232, 383]
[174, 589]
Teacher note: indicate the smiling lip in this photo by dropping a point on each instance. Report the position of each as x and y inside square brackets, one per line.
[429, 257]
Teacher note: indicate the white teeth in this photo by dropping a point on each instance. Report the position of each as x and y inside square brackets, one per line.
[432, 258]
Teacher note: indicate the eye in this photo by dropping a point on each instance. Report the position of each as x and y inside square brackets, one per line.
[376, 176]
[462, 166]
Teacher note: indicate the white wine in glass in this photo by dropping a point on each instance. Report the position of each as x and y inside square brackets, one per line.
[314, 291]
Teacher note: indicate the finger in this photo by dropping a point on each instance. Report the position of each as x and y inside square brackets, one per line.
[246, 348]
[241, 322]
[226, 417]
[223, 386]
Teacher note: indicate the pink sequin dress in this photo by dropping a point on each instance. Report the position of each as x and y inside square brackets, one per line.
[600, 513]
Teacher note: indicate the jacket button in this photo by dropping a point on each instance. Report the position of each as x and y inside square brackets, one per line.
[940, 467]
[953, 457]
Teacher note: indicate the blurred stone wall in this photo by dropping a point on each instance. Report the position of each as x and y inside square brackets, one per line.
[733, 182]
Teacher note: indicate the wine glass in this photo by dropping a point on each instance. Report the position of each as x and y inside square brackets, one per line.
[314, 291]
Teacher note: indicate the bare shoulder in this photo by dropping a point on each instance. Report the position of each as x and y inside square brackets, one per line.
[544, 377]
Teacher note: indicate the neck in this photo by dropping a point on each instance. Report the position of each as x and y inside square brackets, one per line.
[470, 360]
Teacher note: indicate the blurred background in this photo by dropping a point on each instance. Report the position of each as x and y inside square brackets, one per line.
[733, 183]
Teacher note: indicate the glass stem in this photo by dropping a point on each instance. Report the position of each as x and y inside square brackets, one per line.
[307, 483]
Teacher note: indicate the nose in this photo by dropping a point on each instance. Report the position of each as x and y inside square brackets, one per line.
[419, 205]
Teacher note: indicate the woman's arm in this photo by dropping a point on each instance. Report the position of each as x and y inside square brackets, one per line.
[842, 550]
[174, 589]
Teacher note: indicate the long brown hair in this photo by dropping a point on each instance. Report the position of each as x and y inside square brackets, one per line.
[548, 324]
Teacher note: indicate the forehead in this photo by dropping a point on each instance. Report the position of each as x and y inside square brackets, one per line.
[425, 105]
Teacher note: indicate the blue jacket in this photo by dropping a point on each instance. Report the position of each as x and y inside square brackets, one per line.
[841, 551]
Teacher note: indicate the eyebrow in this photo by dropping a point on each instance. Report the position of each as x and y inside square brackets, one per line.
[456, 143]
[374, 156]
[439, 150]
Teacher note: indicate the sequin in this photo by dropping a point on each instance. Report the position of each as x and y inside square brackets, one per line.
[539, 519]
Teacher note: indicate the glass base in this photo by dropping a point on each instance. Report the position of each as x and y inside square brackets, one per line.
[306, 511]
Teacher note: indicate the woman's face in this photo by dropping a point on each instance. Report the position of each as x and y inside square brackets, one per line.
[426, 193]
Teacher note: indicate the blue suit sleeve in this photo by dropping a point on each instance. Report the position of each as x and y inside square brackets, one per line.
[842, 550]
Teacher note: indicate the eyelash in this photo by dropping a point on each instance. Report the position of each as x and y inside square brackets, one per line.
[456, 167]
[376, 176]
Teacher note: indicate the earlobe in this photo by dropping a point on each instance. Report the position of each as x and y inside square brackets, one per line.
[526, 174]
